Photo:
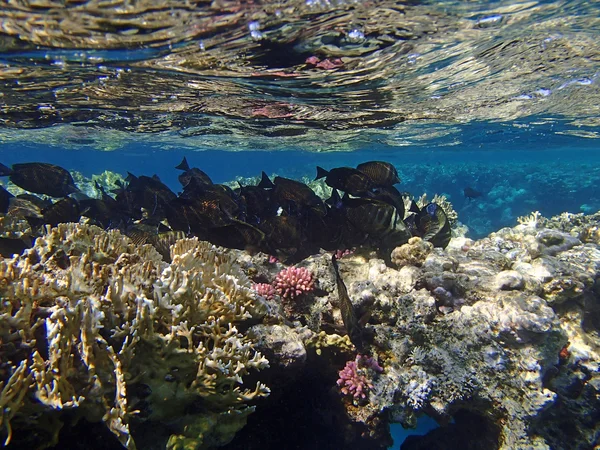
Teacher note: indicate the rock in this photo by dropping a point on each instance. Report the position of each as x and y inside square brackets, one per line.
[283, 345]
[509, 280]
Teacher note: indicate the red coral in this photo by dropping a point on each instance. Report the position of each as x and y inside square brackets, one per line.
[293, 282]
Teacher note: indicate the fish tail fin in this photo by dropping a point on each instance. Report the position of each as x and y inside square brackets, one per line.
[265, 182]
[4, 170]
[183, 165]
[335, 265]
[321, 173]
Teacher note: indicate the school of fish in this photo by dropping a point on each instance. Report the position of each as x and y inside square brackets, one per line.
[281, 217]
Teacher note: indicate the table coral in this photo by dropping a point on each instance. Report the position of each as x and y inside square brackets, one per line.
[86, 316]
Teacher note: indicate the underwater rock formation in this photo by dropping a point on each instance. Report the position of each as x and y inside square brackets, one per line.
[91, 322]
[503, 331]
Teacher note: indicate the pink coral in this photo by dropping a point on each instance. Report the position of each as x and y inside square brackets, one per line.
[293, 281]
[339, 254]
[355, 376]
[265, 289]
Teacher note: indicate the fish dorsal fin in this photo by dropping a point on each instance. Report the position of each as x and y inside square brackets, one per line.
[155, 178]
[183, 165]
[321, 173]
[265, 182]
[130, 177]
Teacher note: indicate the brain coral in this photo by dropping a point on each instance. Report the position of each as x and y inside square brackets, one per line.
[92, 323]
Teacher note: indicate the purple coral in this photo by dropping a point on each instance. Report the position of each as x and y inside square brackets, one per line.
[293, 281]
[355, 376]
[265, 289]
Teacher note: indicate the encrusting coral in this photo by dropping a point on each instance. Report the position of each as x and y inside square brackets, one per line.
[88, 320]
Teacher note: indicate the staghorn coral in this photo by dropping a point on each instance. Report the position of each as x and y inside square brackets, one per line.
[293, 282]
[87, 316]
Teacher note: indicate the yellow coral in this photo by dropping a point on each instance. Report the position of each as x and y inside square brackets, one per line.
[112, 312]
[413, 253]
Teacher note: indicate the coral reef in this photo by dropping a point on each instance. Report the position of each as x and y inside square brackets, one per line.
[293, 282]
[502, 332]
[94, 324]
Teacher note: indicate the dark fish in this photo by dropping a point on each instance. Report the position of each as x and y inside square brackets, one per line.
[265, 182]
[380, 222]
[10, 247]
[380, 172]
[100, 212]
[334, 201]
[240, 235]
[41, 178]
[25, 209]
[149, 193]
[63, 211]
[39, 202]
[197, 215]
[433, 225]
[141, 234]
[5, 197]
[351, 323]
[284, 236]
[294, 197]
[472, 193]
[347, 179]
[191, 173]
[21, 207]
[258, 203]
[391, 196]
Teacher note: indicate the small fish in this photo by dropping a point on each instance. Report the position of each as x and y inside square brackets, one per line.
[380, 172]
[191, 173]
[347, 179]
[41, 178]
[471, 193]
[433, 225]
[351, 323]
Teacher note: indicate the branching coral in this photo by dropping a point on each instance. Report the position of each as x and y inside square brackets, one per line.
[85, 312]
[356, 377]
[293, 282]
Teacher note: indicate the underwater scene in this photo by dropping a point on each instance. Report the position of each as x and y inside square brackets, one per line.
[299, 224]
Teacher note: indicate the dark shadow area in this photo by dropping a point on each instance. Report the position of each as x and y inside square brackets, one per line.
[469, 431]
